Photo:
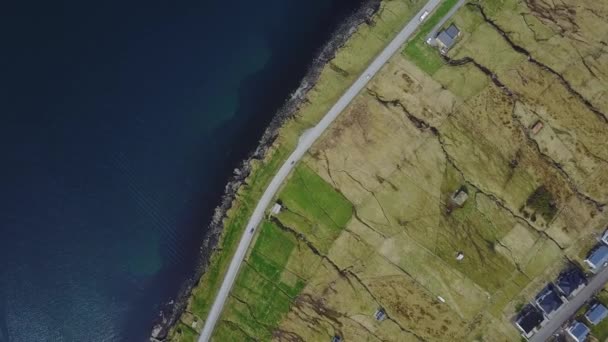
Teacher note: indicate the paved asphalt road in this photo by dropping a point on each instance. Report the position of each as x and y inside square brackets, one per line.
[305, 142]
[566, 311]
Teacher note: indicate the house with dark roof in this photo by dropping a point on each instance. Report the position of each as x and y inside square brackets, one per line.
[597, 258]
[528, 320]
[549, 300]
[596, 313]
[571, 281]
[578, 331]
[447, 38]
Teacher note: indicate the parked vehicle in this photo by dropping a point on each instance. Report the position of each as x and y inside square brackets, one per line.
[424, 15]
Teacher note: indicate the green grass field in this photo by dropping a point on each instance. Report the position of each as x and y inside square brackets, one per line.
[265, 288]
[424, 56]
[314, 207]
[260, 297]
[600, 331]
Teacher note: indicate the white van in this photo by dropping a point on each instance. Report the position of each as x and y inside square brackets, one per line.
[424, 15]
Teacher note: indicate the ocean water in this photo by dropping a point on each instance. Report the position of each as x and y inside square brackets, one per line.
[121, 123]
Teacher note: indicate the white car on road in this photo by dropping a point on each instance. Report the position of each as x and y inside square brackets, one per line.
[424, 15]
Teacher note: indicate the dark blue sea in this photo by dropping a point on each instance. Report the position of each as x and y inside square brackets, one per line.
[120, 124]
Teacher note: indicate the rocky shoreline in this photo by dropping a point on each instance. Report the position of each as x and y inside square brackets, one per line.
[172, 310]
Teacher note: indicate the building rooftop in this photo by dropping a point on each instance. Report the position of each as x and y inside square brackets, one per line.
[549, 300]
[570, 280]
[537, 127]
[529, 318]
[460, 196]
[276, 209]
[448, 36]
[578, 331]
[598, 256]
[596, 314]
[605, 237]
[380, 314]
[453, 31]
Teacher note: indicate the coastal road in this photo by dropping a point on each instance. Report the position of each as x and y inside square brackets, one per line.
[569, 309]
[305, 142]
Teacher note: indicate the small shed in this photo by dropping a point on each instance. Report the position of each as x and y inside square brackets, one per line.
[276, 209]
[447, 38]
[336, 338]
[459, 256]
[380, 314]
[538, 125]
[597, 258]
[578, 331]
[460, 196]
[596, 313]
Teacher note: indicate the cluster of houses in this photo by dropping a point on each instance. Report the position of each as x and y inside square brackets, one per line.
[554, 295]
[549, 300]
[578, 331]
